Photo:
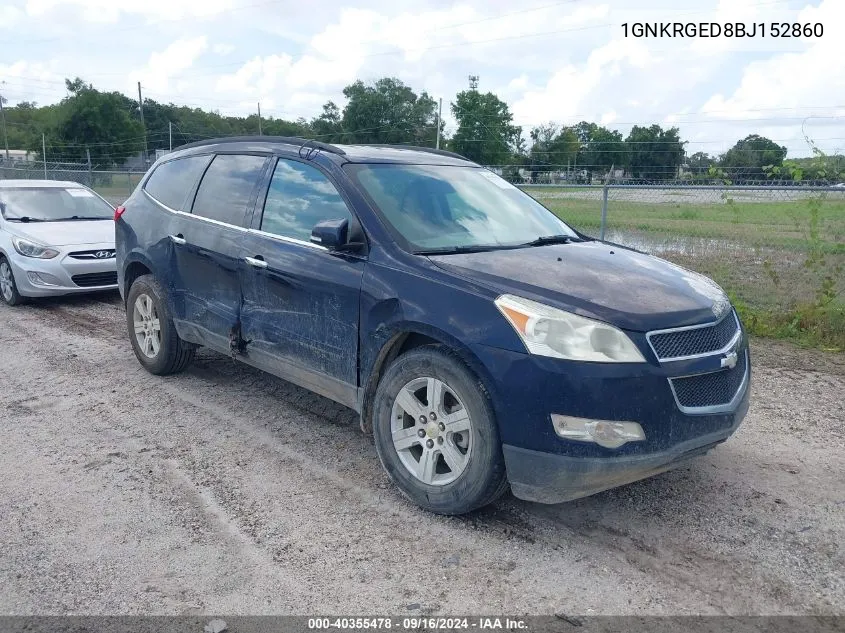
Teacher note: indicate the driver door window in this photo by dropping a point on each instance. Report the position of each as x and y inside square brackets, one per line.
[299, 197]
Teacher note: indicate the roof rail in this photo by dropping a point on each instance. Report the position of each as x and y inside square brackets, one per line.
[417, 148]
[291, 140]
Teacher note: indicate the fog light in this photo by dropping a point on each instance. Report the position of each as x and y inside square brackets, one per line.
[43, 279]
[606, 433]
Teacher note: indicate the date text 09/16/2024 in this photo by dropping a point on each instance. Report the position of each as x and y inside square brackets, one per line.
[717, 29]
[418, 623]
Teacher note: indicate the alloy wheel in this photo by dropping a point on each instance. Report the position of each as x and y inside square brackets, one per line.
[7, 287]
[147, 325]
[431, 431]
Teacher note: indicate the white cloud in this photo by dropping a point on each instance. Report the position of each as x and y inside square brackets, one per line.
[812, 77]
[164, 65]
[111, 10]
[565, 93]
[223, 49]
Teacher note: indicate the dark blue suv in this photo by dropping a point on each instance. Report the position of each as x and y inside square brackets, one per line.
[483, 341]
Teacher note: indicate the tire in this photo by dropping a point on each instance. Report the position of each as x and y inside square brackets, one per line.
[8, 287]
[160, 351]
[447, 466]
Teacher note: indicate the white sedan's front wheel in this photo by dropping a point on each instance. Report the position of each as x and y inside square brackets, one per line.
[8, 288]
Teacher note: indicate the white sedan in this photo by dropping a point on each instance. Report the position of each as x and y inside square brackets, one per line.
[56, 238]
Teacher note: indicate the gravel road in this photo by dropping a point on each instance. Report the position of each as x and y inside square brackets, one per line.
[225, 490]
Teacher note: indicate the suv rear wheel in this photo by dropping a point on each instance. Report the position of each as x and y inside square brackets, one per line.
[151, 331]
[435, 433]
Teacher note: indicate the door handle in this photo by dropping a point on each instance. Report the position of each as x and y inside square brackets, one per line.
[257, 262]
[178, 239]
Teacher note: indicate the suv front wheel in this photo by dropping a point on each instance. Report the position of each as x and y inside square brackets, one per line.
[435, 432]
[151, 331]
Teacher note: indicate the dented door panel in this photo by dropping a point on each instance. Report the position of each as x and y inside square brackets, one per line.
[301, 310]
[208, 281]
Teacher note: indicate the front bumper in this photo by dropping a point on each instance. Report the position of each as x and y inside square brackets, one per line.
[61, 270]
[544, 467]
[553, 478]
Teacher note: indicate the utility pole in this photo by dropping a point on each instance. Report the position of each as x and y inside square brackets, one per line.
[259, 119]
[44, 154]
[439, 117]
[141, 106]
[170, 133]
[5, 136]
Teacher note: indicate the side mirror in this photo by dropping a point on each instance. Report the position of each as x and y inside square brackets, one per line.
[332, 234]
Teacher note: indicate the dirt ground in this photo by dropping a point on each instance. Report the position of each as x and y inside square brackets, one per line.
[224, 490]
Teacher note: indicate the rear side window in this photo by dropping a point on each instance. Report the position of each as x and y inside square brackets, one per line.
[227, 187]
[299, 197]
[171, 182]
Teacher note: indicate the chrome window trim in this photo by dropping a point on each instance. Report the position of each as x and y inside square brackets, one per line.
[729, 346]
[716, 408]
[289, 240]
[258, 232]
[193, 215]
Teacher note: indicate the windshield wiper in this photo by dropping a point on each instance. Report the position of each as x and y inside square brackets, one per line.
[470, 248]
[552, 239]
[25, 218]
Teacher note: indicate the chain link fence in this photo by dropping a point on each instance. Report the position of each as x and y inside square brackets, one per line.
[779, 251]
[114, 185]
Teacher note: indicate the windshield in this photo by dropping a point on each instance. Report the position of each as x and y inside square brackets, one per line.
[435, 207]
[52, 204]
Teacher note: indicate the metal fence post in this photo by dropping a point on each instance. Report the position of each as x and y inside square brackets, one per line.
[128, 183]
[603, 211]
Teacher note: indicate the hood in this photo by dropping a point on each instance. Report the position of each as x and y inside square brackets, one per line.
[611, 283]
[70, 233]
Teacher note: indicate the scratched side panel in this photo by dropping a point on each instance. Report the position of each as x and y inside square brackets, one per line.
[302, 308]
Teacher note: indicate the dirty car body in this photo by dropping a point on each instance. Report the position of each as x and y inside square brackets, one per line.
[601, 365]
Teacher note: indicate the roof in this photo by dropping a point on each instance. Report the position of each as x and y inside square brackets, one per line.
[339, 153]
[401, 154]
[41, 184]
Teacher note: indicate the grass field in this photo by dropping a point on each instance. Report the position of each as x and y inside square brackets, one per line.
[779, 254]
[116, 187]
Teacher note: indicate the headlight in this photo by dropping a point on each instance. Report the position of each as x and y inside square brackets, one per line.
[547, 331]
[30, 249]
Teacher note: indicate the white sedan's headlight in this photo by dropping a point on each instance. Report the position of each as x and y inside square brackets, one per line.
[547, 331]
[31, 249]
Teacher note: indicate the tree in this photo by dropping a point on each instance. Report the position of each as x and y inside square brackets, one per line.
[654, 153]
[327, 127]
[387, 111]
[604, 150]
[485, 133]
[700, 162]
[750, 155]
[100, 122]
[552, 147]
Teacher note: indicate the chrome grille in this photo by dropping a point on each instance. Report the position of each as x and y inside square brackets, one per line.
[695, 340]
[710, 390]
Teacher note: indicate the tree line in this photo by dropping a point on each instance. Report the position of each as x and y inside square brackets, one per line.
[106, 128]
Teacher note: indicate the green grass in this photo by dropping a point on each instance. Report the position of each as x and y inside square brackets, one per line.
[782, 262]
[116, 187]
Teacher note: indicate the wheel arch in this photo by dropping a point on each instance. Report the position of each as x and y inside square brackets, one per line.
[136, 265]
[404, 338]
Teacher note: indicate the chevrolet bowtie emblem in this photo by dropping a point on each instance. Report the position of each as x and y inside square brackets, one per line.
[729, 360]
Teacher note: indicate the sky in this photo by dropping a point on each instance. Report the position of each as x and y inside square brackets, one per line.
[563, 61]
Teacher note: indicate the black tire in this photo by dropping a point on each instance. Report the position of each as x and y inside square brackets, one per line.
[483, 479]
[174, 354]
[16, 298]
